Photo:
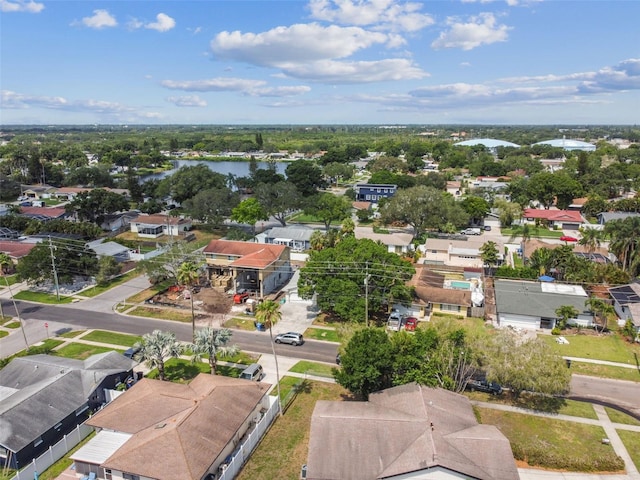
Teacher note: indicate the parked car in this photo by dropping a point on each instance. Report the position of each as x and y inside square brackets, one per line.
[471, 231]
[292, 338]
[410, 324]
[131, 352]
[487, 228]
[484, 386]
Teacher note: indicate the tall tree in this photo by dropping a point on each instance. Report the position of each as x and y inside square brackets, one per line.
[565, 313]
[268, 313]
[249, 211]
[212, 343]
[590, 238]
[156, 347]
[212, 206]
[328, 208]
[278, 199]
[476, 207]
[189, 275]
[601, 311]
[93, 205]
[306, 176]
[489, 253]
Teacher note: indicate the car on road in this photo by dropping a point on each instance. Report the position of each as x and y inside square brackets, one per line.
[471, 231]
[483, 386]
[292, 338]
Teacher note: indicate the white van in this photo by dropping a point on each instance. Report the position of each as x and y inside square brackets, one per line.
[253, 372]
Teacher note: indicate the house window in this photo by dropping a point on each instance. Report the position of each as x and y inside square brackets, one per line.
[4, 453]
[368, 197]
[37, 442]
[107, 474]
[130, 476]
[450, 308]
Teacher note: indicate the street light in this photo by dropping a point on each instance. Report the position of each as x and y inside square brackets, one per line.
[366, 299]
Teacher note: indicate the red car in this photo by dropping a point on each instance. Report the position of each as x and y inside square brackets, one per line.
[568, 239]
[410, 324]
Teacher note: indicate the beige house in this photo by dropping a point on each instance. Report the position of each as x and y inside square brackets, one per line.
[258, 267]
[396, 242]
[406, 432]
[167, 431]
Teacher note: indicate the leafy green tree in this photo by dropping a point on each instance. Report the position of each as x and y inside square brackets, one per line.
[328, 208]
[98, 176]
[629, 331]
[590, 238]
[5, 263]
[366, 363]
[306, 176]
[565, 313]
[212, 206]
[268, 313]
[507, 211]
[541, 260]
[92, 206]
[212, 343]
[249, 211]
[423, 208]
[108, 267]
[188, 181]
[489, 253]
[9, 189]
[167, 267]
[337, 275]
[337, 172]
[531, 366]
[71, 259]
[476, 207]
[594, 205]
[156, 347]
[278, 199]
[601, 311]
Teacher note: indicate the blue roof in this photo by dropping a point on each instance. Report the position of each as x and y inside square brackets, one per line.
[487, 142]
[568, 144]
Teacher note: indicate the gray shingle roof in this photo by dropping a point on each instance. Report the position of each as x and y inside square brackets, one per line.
[405, 429]
[41, 390]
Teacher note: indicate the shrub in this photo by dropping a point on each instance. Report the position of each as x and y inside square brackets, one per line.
[555, 331]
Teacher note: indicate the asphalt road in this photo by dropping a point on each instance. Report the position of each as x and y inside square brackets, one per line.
[37, 315]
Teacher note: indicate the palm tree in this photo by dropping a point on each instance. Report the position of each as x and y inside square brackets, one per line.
[317, 240]
[541, 260]
[155, 347]
[489, 255]
[564, 313]
[600, 309]
[625, 240]
[212, 342]
[591, 239]
[188, 274]
[5, 261]
[268, 313]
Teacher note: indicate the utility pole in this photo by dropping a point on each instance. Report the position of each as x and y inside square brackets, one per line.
[366, 295]
[55, 272]
[17, 312]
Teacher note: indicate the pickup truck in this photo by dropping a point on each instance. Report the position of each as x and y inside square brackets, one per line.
[471, 231]
[394, 322]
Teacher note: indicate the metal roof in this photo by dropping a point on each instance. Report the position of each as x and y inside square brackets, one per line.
[101, 447]
[487, 142]
[568, 144]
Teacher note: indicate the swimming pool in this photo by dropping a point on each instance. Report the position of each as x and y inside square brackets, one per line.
[458, 285]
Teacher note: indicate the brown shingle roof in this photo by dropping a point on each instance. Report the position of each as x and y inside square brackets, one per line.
[50, 212]
[410, 428]
[178, 430]
[252, 255]
[444, 295]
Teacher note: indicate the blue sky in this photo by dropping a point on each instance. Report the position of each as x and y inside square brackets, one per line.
[320, 62]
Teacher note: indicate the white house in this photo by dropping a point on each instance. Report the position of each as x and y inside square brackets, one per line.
[154, 226]
[395, 242]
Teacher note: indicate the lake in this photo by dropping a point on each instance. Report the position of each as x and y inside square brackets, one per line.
[239, 169]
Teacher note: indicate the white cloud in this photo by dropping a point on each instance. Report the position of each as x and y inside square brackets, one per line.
[187, 101]
[99, 20]
[255, 88]
[480, 30]
[300, 43]
[21, 6]
[163, 23]
[12, 99]
[329, 71]
[195, 31]
[383, 14]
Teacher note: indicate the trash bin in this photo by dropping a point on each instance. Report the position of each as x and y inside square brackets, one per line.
[260, 327]
[568, 362]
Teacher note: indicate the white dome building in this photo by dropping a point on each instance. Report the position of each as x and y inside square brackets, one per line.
[569, 144]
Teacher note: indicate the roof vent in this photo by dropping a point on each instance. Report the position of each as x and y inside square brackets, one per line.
[161, 425]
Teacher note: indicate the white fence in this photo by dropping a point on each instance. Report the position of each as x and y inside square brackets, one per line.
[243, 452]
[55, 453]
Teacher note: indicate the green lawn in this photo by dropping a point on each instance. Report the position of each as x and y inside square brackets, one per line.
[605, 371]
[631, 441]
[164, 314]
[3, 333]
[98, 289]
[560, 406]
[181, 371]
[13, 325]
[284, 448]
[41, 297]
[551, 443]
[322, 334]
[242, 323]
[81, 351]
[535, 232]
[112, 338]
[8, 280]
[313, 368]
[610, 347]
[616, 416]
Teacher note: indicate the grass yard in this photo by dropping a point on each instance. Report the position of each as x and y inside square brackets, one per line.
[181, 371]
[242, 323]
[81, 351]
[98, 289]
[284, 448]
[41, 297]
[616, 416]
[12, 325]
[605, 371]
[149, 292]
[3, 333]
[555, 444]
[322, 334]
[287, 383]
[5, 319]
[631, 441]
[112, 338]
[8, 280]
[542, 404]
[313, 368]
[535, 232]
[164, 314]
[610, 347]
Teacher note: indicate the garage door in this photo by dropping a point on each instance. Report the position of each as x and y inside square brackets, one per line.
[518, 321]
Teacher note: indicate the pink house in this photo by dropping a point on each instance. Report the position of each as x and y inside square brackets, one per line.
[563, 219]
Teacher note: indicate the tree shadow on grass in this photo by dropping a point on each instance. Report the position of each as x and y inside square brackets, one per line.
[540, 403]
[181, 373]
[305, 386]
